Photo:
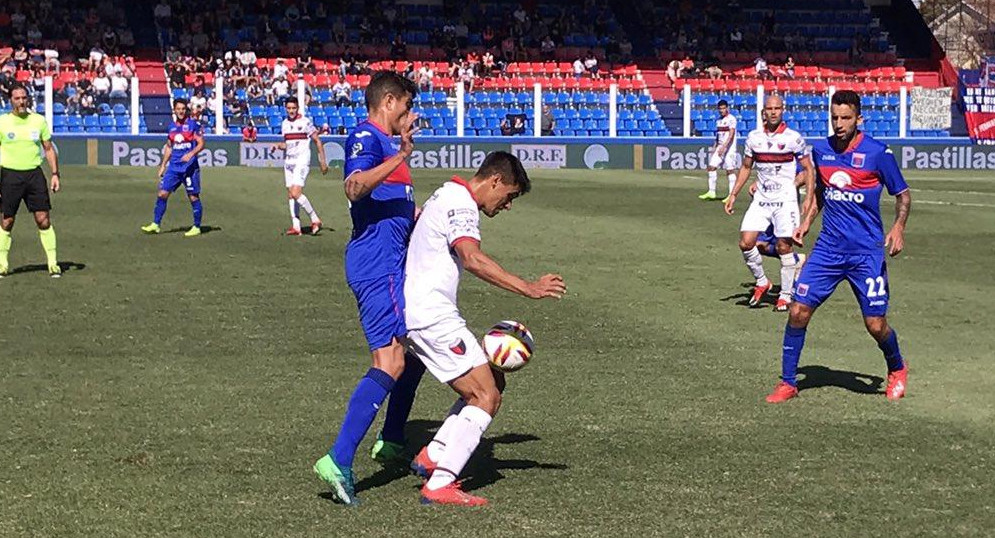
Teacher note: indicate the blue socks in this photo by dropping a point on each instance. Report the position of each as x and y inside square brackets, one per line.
[892, 355]
[160, 210]
[794, 341]
[370, 393]
[198, 212]
[401, 399]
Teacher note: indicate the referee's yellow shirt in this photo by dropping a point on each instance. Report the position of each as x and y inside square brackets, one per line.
[20, 140]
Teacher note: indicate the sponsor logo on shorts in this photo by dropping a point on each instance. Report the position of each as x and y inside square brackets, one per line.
[802, 290]
[458, 347]
[877, 303]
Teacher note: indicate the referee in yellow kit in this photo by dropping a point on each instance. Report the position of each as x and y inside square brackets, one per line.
[23, 134]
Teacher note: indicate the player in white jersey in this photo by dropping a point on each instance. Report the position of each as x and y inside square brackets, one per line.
[723, 153]
[445, 240]
[298, 132]
[777, 152]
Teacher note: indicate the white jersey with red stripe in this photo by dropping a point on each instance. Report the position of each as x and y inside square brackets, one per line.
[432, 268]
[725, 128]
[775, 156]
[297, 135]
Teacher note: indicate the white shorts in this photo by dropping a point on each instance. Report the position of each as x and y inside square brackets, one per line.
[783, 215]
[447, 349]
[295, 175]
[729, 162]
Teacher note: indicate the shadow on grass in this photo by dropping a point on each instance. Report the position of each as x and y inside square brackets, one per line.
[743, 299]
[822, 376]
[482, 470]
[203, 230]
[65, 266]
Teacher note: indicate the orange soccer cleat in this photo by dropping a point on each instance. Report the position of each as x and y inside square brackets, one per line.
[897, 382]
[782, 393]
[451, 494]
[758, 293]
[293, 231]
[782, 305]
[422, 465]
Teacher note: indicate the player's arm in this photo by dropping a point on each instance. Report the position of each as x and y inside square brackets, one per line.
[167, 151]
[724, 147]
[53, 163]
[808, 171]
[322, 162]
[741, 178]
[198, 147]
[280, 145]
[485, 268]
[895, 240]
[362, 182]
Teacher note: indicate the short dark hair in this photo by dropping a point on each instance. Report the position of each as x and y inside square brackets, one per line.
[182, 101]
[723, 102]
[508, 167]
[385, 83]
[19, 86]
[290, 100]
[847, 97]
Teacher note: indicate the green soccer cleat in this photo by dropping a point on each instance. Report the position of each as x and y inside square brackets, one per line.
[707, 196]
[339, 479]
[388, 453]
[4, 271]
[152, 228]
[194, 231]
[726, 199]
[55, 271]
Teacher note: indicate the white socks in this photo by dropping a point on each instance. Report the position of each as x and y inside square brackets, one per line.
[463, 437]
[789, 263]
[732, 182]
[713, 179]
[306, 206]
[755, 262]
[295, 218]
[437, 446]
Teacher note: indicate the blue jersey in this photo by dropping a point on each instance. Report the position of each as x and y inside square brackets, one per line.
[850, 184]
[182, 139]
[383, 219]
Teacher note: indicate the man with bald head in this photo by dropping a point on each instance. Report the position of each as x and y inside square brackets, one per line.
[777, 151]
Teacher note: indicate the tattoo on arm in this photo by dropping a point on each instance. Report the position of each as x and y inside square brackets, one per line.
[903, 204]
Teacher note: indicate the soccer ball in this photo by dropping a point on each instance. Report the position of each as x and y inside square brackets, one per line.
[508, 345]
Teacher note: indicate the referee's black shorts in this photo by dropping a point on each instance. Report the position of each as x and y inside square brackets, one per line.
[27, 185]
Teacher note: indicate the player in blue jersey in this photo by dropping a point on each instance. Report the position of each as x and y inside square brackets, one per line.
[180, 167]
[852, 169]
[382, 206]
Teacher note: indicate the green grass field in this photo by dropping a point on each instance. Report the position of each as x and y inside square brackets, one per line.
[183, 387]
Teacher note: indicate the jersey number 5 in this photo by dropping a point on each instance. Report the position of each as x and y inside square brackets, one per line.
[880, 291]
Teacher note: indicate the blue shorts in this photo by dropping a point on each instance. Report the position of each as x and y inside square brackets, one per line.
[866, 273]
[172, 179]
[381, 308]
[767, 236]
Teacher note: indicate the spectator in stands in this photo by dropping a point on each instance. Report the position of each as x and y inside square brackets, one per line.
[466, 76]
[625, 50]
[304, 62]
[87, 104]
[674, 70]
[410, 73]
[856, 51]
[280, 69]
[487, 64]
[281, 89]
[425, 75]
[249, 132]
[548, 123]
[52, 63]
[398, 48]
[247, 58]
[713, 71]
[578, 67]
[119, 87]
[473, 60]
[101, 87]
[96, 58]
[688, 69]
[240, 112]
[347, 63]
[789, 67]
[736, 39]
[548, 48]
[255, 91]
[508, 49]
[109, 41]
[489, 37]
[20, 57]
[198, 100]
[163, 14]
[761, 68]
[38, 84]
[365, 31]
[70, 95]
[513, 124]
[342, 92]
